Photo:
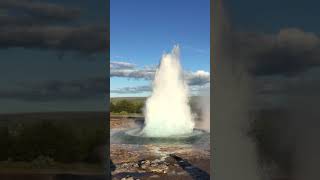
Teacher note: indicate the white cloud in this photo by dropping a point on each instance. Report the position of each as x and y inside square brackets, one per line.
[132, 90]
[128, 70]
[198, 78]
[121, 65]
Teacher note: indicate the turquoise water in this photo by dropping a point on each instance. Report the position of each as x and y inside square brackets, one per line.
[133, 136]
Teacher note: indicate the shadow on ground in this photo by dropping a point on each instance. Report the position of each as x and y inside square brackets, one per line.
[195, 172]
[125, 174]
[112, 167]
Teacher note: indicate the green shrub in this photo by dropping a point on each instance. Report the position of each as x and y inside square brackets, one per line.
[123, 113]
[127, 106]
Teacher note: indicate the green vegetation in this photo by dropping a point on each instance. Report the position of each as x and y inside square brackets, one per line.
[44, 140]
[135, 105]
[125, 107]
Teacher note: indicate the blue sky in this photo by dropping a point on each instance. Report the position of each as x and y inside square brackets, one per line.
[142, 30]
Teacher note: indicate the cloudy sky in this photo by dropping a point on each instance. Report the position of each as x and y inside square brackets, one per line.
[53, 55]
[280, 42]
[142, 30]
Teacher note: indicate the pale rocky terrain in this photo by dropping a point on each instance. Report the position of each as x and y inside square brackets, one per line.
[156, 161]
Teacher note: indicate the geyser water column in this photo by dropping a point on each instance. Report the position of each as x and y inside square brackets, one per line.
[167, 112]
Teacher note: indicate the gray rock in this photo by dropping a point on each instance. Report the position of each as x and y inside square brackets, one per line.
[125, 165]
[157, 161]
[181, 173]
[159, 169]
[141, 171]
[127, 178]
[147, 162]
[154, 176]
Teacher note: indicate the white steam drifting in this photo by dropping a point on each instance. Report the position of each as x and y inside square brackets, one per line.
[167, 111]
[204, 105]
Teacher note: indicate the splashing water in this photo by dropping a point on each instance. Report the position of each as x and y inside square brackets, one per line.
[167, 111]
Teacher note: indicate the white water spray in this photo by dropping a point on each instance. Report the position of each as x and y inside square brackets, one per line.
[167, 111]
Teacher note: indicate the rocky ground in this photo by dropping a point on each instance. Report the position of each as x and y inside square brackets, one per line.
[154, 161]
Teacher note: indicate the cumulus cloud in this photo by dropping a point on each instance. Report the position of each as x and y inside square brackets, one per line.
[121, 65]
[87, 39]
[44, 25]
[288, 52]
[277, 60]
[198, 78]
[132, 90]
[146, 74]
[50, 25]
[128, 70]
[38, 10]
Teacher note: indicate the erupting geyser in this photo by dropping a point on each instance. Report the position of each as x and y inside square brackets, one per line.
[167, 112]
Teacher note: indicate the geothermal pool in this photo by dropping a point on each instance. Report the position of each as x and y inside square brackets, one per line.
[135, 136]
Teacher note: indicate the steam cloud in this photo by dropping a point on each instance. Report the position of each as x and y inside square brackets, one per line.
[204, 106]
[234, 152]
[285, 70]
